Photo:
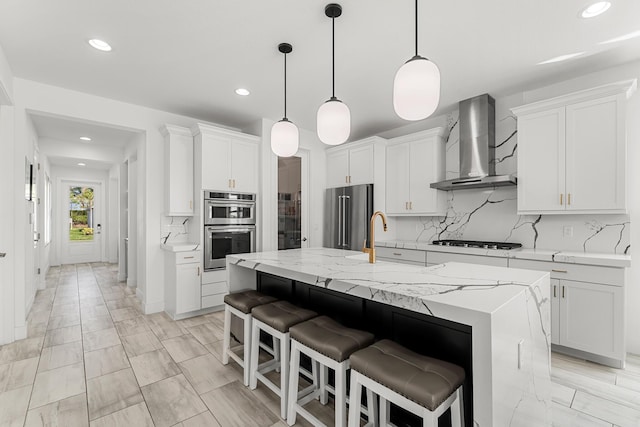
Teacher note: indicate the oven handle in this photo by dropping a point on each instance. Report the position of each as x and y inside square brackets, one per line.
[211, 229]
[231, 202]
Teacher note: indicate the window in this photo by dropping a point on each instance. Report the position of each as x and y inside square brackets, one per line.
[80, 213]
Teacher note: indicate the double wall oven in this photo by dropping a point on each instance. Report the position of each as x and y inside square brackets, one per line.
[229, 226]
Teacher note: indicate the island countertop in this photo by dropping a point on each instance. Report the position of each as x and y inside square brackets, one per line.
[507, 309]
[478, 288]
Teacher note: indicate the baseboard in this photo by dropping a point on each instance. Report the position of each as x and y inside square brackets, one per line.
[607, 361]
[131, 282]
[20, 332]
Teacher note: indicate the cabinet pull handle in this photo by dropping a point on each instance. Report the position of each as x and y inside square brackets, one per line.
[554, 291]
[198, 270]
[410, 206]
[188, 257]
[230, 184]
[561, 198]
[406, 206]
[346, 179]
[397, 253]
[563, 292]
[569, 199]
[559, 271]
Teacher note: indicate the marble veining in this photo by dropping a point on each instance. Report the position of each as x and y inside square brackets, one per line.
[501, 305]
[492, 214]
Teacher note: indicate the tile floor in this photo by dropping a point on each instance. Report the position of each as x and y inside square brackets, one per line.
[91, 358]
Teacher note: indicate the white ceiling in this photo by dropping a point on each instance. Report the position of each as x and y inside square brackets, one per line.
[187, 57]
[62, 129]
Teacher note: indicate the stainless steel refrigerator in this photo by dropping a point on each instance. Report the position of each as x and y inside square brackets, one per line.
[348, 212]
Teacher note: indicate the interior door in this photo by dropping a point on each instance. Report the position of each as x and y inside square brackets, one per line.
[80, 222]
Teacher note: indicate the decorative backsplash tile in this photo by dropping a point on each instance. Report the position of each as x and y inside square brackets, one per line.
[491, 214]
[174, 229]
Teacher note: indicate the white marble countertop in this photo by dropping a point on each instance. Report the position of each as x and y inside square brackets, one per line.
[180, 247]
[451, 284]
[599, 259]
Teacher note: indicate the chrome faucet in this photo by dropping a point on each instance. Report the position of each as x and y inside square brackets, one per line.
[372, 231]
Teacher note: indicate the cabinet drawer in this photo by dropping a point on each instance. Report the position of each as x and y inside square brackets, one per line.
[213, 300]
[402, 255]
[188, 257]
[214, 288]
[442, 257]
[578, 272]
[214, 276]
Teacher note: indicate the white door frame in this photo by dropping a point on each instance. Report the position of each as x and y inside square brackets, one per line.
[61, 223]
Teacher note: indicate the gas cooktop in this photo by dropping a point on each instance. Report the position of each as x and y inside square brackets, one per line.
[477, 244]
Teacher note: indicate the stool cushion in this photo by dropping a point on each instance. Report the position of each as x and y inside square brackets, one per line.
[330, 338]
[244, 301]
[281, 315]
[422, 379]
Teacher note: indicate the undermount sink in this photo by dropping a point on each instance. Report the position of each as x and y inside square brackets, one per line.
[362, 256]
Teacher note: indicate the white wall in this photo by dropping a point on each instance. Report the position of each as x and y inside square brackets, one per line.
[113, 214]
[6, 80]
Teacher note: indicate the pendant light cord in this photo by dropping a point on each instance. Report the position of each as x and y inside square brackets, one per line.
[416, 27]
[333, 57]
[285, 85]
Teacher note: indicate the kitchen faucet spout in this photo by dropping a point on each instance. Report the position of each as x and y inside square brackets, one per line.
[372, 230]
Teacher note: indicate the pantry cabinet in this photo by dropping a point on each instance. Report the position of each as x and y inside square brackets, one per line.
[351, 164]
[412, 163]
[572, 152]
[227, 160]
[178, 161]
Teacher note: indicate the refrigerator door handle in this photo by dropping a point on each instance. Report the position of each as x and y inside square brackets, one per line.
[340, 223]
[345, 221]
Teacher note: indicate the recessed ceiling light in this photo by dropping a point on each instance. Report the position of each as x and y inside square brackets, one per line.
[85, 138]
[82, 164]
[561, 58]
[242, 91]
[595, 9]
[622, 38]
[100, 45]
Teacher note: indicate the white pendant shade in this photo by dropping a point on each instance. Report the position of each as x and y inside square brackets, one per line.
[284, 138]
[334, 122]
[416, 89]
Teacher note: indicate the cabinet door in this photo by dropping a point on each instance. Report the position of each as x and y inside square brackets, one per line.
[397, 185]
[596, 156]
[187, 287]
[216, 164]
[555, 311]
[541, 161]
[591, 318]
[361, 165]
[337, 168]
[244, 166]
[423, 166]
[179, 187]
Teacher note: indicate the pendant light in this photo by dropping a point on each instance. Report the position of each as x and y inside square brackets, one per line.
[284, 134]
[334, 117]
[416, 88]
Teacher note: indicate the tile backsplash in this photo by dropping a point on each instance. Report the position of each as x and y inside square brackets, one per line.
[491, 214]
[174, 229]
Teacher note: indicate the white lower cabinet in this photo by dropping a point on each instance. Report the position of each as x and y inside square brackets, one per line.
[585, 316]
[214, 288]
[182, 282]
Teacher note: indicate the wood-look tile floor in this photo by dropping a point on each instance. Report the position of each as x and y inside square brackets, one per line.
[92, 359]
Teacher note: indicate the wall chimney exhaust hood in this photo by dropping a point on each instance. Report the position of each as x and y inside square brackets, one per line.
[477, 148]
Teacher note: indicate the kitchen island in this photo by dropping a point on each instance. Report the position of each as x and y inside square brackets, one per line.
[505, 313]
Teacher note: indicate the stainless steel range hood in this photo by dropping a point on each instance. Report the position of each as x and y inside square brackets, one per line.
[477, 147]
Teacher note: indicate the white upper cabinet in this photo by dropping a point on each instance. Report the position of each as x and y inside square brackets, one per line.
[227, 160]
[351, 164]
[178, 160]
[572, 152]
[413, 162]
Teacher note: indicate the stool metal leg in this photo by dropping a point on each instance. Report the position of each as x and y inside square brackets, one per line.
[341, 396]
[255, 349]
[293, 383]
[385, 408]
[247, 349]
[284, 374]
[356, 396]
[324, 378]
[457, 410]
[227, 335]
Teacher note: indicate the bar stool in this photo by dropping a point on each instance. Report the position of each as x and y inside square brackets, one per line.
[420, 384]
[240, 304]
[325, 341]
[275, 319]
